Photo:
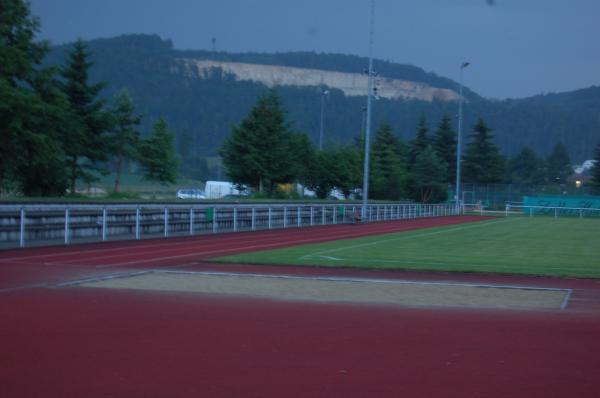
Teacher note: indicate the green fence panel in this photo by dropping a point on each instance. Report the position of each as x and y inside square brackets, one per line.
[210, 214]
[580, 202]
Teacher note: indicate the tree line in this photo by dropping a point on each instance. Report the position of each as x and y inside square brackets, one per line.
[200, 106]
[264, 153]
[55, 129]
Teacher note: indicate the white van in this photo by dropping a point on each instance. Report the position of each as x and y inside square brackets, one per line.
[220, 189]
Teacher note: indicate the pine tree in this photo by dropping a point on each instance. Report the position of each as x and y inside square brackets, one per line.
[257, 153]
[84, 141]
[349, 169]
[420, 142]
[388, 172]
[444, 144]
[321, 173]
[595, 172]
[482, 162]
[302, 154]
[429, 178]
[526, 168]
[559, 165]
[31, 109]
[124, 136]
[157, 156]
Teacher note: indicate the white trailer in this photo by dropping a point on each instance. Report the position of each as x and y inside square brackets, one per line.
[220, 189]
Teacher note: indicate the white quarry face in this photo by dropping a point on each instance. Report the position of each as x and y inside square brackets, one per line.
[352, 84]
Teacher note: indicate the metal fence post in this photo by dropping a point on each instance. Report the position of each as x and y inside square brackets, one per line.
[269, 217]
[104, 223]
[137, 223]
[215, 222]
[253, 218]
[166, 227]
[284, 217]
[235, 219]
[191, 221]
[323, 215]
[299, 218]
[67, 226]
[22, 228]
[311, 216]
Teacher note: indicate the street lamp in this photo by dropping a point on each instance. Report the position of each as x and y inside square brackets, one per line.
[459, 137]
[365, 191]
[323, 94]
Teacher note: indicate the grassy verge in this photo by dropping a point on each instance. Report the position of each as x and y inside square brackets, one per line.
[519, 245]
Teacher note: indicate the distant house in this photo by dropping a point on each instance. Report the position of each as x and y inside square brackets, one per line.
[584, 167]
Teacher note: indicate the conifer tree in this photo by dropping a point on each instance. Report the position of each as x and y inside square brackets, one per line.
[84, 141]
[349, 169]
[31, 108]
[482, 162]
[321, 173]
[257, 153]
[420, 142]
[157, 155]
[526, 168]
[124, 136]
[429, 175]
[444, 144]
[559, 165]
[595, 172]
[388, 171]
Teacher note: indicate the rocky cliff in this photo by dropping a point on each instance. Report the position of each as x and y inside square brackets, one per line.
[352, 84]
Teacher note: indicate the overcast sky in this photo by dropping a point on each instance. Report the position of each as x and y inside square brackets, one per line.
[517, 48]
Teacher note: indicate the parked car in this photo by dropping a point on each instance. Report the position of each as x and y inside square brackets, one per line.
[191, 194]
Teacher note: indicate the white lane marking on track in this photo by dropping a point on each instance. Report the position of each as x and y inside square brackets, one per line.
[170, 247]
[566, 300]
[224, 251]
[99, 278]
[175, 241]
[23, 287]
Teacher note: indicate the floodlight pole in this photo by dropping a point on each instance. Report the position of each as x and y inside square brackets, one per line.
[368, 127]
[459, 138]
[323, 94]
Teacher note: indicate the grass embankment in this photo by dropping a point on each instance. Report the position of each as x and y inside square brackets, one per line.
[534, 246]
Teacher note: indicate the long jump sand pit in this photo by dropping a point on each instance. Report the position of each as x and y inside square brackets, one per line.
[334, 289]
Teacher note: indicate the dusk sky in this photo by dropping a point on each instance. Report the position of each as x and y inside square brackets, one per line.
[517, 48]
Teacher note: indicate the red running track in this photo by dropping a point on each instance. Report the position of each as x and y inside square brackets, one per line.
[81, 342]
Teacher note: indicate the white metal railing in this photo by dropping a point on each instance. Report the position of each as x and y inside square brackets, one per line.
[66, 223]
[553, 211]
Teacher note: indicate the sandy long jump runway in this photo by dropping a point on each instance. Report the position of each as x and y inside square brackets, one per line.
[60, 339]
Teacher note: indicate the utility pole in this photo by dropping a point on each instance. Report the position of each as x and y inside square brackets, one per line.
[323, 95]
[459, 139]
[368, 129]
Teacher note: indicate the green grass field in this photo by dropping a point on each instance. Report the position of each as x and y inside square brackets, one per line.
[514, 245]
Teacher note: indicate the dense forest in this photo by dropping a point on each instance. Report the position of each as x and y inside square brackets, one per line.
[202, 111]
[87, 108]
